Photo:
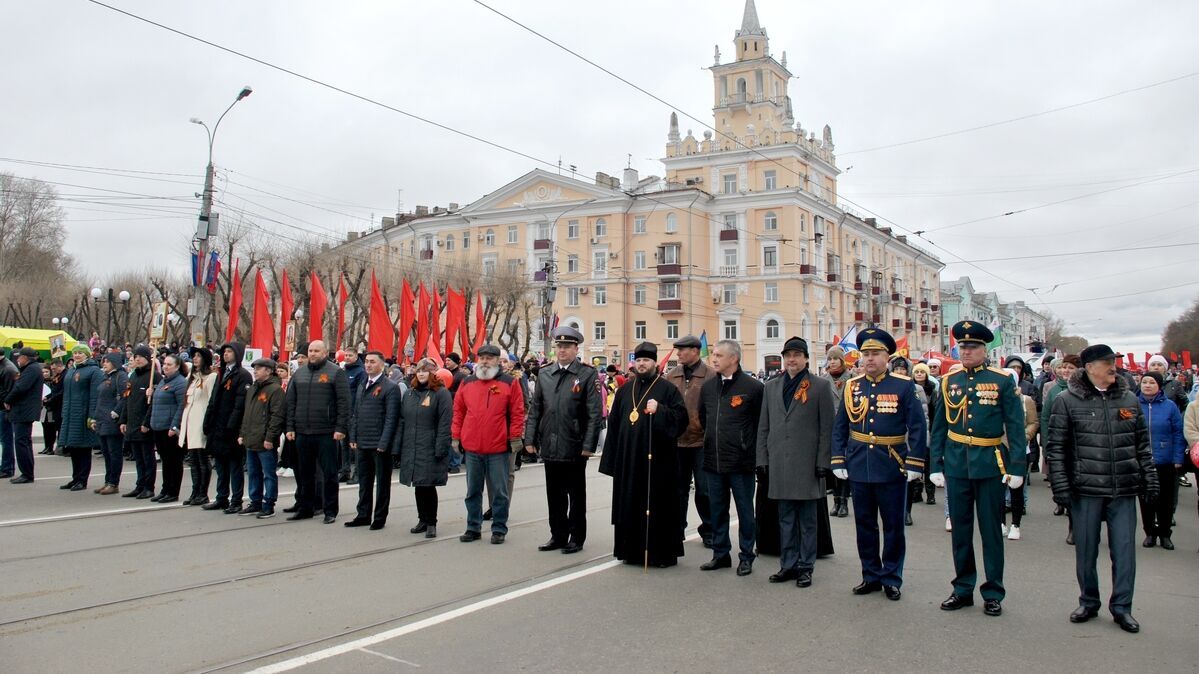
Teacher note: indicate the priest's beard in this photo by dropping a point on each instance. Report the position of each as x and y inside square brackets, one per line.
[487, 373]
[647, 377]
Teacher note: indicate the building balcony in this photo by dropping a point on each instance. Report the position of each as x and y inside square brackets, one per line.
[728, 270]
[728, 235]
[670, 306]
[741, 98]
[936, 329]
[907, 300]
[539, 276]
[935, 307]
[670, 270]
[831, 278]
[876, 319]
[426, 254]
[895, 323]
[923, 304]
[894, 297]
[541, 244]
[859, 287]
[807, 269]
[875, 290]
[859, 315]
[909, 325]
[923, 329]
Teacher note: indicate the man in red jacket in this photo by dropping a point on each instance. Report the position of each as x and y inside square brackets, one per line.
[489, 421]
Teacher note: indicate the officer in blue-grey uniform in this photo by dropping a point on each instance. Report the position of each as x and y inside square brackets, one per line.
[879, 446]
[976, 407]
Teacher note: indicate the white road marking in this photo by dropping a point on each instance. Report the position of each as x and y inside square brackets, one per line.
[388, 657]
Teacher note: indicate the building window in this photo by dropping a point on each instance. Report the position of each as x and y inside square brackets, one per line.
[730, 258]
[770, 258]
[772, 329]
[729, 293]
[769, 180]
[543, 230]
[601, 296]
[729, 330]
[803, 223]
[672, 329]
[672, 223]
[572, 264]
[639, 224]
[513, 265]
[601, 228]
[599, 264]
[511, 233]
[805, 293]
[639, 259]
[639, 330]
[601, 331]
[572, 297]
[489, 266]
[730, 221]
[771, 221]
[729, 181]
[465, 240]
[572, 229]
[489, 237]
[638, 294]
[449, 242]
[668, 291]
[772, 292]
[668, 254]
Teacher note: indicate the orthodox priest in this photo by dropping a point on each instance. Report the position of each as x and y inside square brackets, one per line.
[648, 415]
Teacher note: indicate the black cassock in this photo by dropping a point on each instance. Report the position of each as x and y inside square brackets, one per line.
[635, 477]
[766, 513]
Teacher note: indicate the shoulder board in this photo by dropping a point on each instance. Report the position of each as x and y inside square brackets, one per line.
[901, 376]
[861, 376]
[999, 371]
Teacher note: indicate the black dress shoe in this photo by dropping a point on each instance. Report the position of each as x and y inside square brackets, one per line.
[550, 546]
[1149, 542]
[804, 579]
[131, 493]
[992, 607]
[5, 475]
[487, 515]
[1070, 538]
[1167, 544]
[215, 505]
[158, 498]
[572, 548]
[907, 519]
[300, 516]
[233, 509]
[68, 485]
[330, 519]
[1127, 622]
[957, 601]
[745, 567]
[867, 587]
[292, 509]
[431, 531]
[469, 536]
[169, 498]
[1083, 614]
[357, 523]
[931, 500]
[378, 524]
[420, 528]
[24, 479]
[498, 539]
[892, 592]
[724, 562]
[146, 493]
[784, 575]
[1059, 510]
[707, 543]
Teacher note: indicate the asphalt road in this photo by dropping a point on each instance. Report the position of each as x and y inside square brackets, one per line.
[104, 584]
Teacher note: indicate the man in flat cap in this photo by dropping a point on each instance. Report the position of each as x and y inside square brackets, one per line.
[563, 426]
[976, 407]
[689, 377]
[795, 432]
[879, 445]
[23, 405]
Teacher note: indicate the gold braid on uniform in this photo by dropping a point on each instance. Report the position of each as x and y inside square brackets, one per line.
[855, 412]
[958, 407]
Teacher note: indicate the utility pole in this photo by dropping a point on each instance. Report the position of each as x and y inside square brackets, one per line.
[206, 229]
[549, 293]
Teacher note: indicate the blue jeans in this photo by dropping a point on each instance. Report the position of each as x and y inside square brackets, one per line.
[261, 466]
[742, 486]
[114, 458]
[6, 443]
[481, 468]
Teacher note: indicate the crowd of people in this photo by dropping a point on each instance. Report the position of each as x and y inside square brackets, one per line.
[876, 431]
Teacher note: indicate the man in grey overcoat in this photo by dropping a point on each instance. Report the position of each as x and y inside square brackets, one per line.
[795, 433]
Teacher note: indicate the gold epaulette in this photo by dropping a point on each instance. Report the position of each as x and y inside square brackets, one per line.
[901, 376]
[997, 370]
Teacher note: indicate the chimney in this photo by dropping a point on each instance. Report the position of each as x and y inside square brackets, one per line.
[388, 222]
[872, 222]
[453, 206]
[602, 179]
[422, 210]
[351, 236]
[630, 179]
[614, 182]
[438, 210]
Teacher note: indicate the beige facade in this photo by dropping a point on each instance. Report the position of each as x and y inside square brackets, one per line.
[743, 237]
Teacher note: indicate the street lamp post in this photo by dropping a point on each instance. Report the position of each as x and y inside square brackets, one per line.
[98, 296]
[206, 228]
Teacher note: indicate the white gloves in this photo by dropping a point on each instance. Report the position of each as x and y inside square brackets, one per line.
[913, 476]
[841, 473]
[938, 479]
[1014, 481]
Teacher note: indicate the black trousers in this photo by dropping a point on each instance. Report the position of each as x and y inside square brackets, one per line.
[566, 495]
[147, 465]
[287, 458]
[49, 434]
[1120, 513]
[316, 453]
[171, 455]
[840, 487]
[426, 504]
[230, 466]
[374, 484]
[22, 432]
[81, 464]
[1156, 518]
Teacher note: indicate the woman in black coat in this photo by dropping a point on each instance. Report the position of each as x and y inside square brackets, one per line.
[52, 406]
[423, 442]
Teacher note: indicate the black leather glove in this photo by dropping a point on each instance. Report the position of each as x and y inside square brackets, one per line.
[822, 473]
[395, 461]
[762, 471]
[1062, 498]
[1151, 496]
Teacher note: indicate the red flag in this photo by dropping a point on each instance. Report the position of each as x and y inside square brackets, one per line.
[433, 353]
[1186, 359]
[455, 318]
[342, 296]
[463, 341]
[234, 303]
[1147, 357]
[407, 316]
[380, 336]
[262, 328]
[1131, 362]
[286, 306]
[901, 347]
[318, 302]
[435, 319]
[480, 325]
[1173, 357]
[422, 323]
[662, 364]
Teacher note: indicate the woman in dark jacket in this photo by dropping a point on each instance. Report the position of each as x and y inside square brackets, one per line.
[109, 397]
[423, 442]
[166, 413]
[80, 385]
[52, 406]
[1165, 438]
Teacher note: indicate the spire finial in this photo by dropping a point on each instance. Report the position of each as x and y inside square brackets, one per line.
[749, 21]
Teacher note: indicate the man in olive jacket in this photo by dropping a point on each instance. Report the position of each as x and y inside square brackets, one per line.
[1099, 463]
[318, 417]
[261, 426]
[689, 377]
[563, 425]
[373, 426]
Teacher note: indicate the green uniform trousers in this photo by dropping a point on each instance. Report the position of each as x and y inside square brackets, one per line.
[984, 497]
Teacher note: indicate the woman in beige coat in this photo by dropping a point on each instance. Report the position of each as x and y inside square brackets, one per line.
[191, 428]
[1190, 429]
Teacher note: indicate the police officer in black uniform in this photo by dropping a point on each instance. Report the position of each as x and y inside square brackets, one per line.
[562, 424]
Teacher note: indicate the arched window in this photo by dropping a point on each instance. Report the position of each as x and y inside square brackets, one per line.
[804, 326]
[601, 227]
[772, 329]
[489, 238]
[771, 221]
[741, 85]
[672, 223]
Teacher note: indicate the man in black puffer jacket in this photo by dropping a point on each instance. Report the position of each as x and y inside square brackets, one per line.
[1099, 463]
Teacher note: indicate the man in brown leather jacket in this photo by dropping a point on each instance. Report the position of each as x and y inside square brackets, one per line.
[689, 376]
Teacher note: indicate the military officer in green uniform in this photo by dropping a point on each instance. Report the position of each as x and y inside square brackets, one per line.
[975, 407]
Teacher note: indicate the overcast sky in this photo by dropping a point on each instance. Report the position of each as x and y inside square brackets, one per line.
[90, 87]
